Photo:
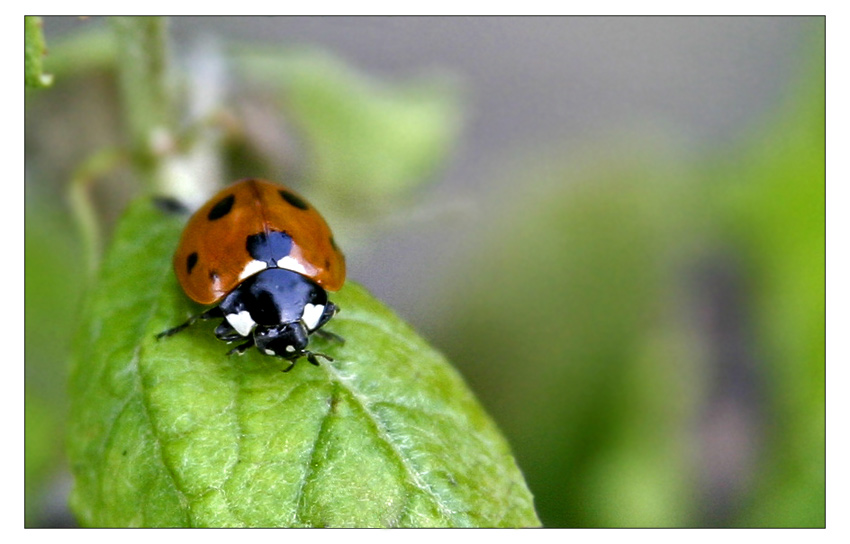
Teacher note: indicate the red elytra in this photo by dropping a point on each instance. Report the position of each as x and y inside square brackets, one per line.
[212, 256]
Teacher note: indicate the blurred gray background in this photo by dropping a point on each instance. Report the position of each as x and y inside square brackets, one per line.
[529, 85]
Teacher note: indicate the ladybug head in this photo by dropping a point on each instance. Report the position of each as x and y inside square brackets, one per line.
[287, 340]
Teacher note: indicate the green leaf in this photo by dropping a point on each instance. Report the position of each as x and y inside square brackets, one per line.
[604, 399]
[369, 141]
[175, 433]
[775, 216]
[34, 51]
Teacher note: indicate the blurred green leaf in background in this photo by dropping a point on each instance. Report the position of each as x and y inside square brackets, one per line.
[368, 141]
[775, 221]
[648, 326]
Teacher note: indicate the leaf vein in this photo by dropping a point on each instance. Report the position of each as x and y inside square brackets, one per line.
[311, 462]
[384, 435]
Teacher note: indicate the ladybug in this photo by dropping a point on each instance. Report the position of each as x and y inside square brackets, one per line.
[266, 258]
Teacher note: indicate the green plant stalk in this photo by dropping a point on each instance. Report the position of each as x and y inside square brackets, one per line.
[146, 95]
[34, 51]
[79, 197]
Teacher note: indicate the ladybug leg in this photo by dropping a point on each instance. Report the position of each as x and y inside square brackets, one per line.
[311, 356]
[176, 329]
[212, 313]
[242, 348]
[226, 332]
[328, 335]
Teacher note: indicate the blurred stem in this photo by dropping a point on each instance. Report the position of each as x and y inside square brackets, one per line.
[34, 51]
[147, 100]
[81, 203]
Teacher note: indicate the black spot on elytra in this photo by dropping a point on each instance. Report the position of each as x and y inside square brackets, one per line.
[327, 264]
[191, 261]
[269, 247]
[221, 208]
[294, 199]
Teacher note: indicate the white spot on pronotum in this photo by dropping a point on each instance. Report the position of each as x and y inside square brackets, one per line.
[252, 268]
[291, 264]
[269, 352]
[312, 314]
[290, 349]
[242, 322]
